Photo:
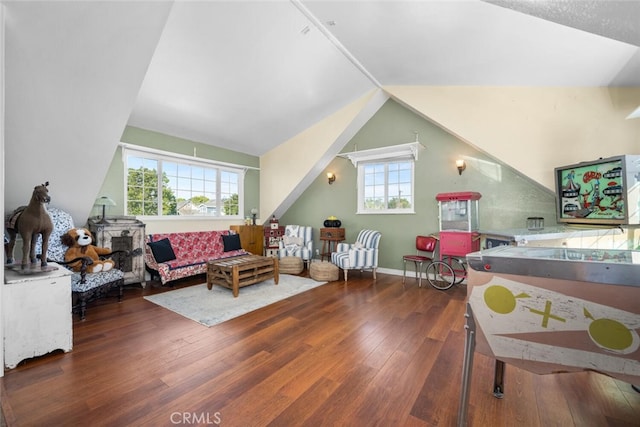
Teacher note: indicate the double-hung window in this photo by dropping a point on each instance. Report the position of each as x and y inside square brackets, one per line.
[166, 185]
[386, 178]
[385, 187]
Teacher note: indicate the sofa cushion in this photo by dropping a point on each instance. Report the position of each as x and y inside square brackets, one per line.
[162, 250]
[231, 242]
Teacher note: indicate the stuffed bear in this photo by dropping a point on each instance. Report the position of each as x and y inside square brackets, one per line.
[79, 242]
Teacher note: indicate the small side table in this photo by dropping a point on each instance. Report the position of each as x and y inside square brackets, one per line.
[330, 237]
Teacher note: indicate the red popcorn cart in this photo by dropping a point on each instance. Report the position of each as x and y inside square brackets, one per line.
[458, 217]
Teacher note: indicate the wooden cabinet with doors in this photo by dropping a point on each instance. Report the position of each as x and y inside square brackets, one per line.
[251, 237]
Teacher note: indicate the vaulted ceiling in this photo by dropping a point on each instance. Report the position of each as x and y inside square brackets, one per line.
[250, 75]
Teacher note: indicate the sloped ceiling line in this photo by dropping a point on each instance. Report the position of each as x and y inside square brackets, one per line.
[335, 42]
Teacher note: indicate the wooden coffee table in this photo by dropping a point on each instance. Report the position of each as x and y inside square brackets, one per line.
[234, 273]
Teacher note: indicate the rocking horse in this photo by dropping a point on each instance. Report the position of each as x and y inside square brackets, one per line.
[30, 221]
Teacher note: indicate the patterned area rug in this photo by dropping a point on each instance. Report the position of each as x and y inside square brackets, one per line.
[210, 307]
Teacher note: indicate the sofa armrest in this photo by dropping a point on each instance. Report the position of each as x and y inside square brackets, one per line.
[149, 260]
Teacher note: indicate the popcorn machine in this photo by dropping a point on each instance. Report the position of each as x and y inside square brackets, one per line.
[459, 234]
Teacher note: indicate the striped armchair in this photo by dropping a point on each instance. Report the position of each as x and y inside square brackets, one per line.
[298, 242]
[361, 255]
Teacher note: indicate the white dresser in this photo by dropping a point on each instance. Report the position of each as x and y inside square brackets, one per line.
[36, 314]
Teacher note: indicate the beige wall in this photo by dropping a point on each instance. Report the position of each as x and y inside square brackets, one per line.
[532, 129]
[287, 170]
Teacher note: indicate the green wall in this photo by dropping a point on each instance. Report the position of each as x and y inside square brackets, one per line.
[113, 185]
[508, 198]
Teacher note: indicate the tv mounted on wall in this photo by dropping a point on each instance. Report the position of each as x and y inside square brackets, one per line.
[603, 191]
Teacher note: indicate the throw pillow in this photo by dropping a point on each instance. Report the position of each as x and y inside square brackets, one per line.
[292, 241]
[231, 242]
[292, 244]
[162, 250]
[292, 230]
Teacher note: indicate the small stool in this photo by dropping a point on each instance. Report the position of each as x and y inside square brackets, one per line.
[291, 265]
[323, 271]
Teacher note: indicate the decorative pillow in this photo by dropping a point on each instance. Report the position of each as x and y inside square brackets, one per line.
[292, 230]
[162, 250]
[358, 245]
[231, 242]
[292, 241]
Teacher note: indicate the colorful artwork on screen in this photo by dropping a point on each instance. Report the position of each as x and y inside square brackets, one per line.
[593, 191]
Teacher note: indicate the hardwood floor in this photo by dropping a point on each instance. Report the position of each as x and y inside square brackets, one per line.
[361, 353]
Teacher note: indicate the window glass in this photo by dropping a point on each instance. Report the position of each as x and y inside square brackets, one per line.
[186, 188]
[385, 187]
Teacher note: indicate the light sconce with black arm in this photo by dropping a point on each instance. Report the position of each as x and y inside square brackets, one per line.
[461, 165]
[331, 177]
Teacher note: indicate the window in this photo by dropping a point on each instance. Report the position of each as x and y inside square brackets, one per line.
[385, 177]
[159, 184]
[385, 187]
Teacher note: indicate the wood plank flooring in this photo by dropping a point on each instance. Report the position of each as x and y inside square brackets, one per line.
[361, 353]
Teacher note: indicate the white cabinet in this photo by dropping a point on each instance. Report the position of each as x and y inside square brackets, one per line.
[36, 314]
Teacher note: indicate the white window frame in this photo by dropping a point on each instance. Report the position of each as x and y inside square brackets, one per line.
[385, 156]
[164, 156]
[362, 209]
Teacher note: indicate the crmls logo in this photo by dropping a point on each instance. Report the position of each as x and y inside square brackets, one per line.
[195, 418]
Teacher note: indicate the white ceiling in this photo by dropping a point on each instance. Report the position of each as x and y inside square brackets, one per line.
[249, 75]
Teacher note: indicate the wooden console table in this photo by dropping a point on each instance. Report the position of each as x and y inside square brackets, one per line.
[330, 237]
[234, 273]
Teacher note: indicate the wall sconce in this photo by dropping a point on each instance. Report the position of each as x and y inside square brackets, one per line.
[461, 165]
[331, 177]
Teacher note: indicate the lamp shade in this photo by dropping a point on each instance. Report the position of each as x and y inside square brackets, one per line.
[105, 201]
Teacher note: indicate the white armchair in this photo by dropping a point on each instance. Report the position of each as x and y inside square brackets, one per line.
[298, 242]
[361, 255]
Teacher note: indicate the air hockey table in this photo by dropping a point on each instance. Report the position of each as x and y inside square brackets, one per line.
[551, 310]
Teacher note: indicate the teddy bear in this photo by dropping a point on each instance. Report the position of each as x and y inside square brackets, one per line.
[79, 241]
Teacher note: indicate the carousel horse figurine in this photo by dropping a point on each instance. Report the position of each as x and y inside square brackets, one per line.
[30, 221]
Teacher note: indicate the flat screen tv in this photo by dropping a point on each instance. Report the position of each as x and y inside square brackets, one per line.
[603, 191]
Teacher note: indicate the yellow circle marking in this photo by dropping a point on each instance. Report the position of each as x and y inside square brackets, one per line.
[499, 299]
[610, 334]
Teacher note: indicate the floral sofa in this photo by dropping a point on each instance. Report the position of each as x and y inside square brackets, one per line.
[173, 256]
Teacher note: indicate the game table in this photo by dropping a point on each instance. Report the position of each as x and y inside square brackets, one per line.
[553, 309]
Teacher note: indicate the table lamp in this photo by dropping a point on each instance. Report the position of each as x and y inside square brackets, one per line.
[104, 201]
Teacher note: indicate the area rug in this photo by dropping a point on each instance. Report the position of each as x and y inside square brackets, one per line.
[210, 307]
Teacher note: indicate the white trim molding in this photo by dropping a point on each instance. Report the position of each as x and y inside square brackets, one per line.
[392, 152]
